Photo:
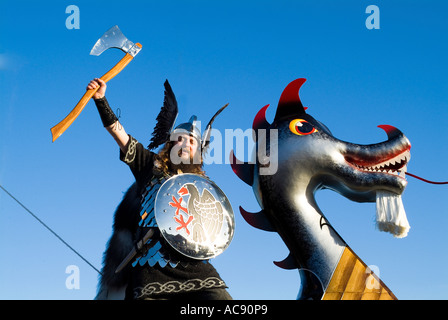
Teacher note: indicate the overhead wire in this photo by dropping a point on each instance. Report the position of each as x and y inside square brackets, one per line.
[49, 229]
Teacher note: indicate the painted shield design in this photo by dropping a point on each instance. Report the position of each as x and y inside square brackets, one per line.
[194, 216]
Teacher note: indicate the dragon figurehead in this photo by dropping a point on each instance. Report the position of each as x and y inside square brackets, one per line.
[306, 157]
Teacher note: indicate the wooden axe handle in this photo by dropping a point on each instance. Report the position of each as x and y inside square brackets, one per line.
[59, 129]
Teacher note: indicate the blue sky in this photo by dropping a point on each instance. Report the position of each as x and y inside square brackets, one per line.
[241, 52]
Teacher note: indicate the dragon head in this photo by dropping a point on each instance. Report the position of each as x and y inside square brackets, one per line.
[311, 158]
[296, 155]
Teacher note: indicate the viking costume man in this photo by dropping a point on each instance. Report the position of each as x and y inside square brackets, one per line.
[156, 270]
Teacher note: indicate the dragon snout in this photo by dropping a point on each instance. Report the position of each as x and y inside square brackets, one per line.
[395, 165]
[389, 157]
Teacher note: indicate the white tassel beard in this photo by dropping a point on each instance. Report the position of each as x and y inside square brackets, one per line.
[390, 214]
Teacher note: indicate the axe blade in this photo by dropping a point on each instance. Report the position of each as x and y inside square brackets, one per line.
[114, 38]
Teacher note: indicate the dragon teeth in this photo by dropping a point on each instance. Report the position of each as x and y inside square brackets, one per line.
[405, 156]
[382, 167]
[403, 171]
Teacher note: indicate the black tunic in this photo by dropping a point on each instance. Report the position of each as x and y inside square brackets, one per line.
[190, 276]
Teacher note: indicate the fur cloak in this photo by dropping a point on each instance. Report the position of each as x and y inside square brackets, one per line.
[112, 285]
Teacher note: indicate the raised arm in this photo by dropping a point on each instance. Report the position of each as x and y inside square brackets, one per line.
[109, 119]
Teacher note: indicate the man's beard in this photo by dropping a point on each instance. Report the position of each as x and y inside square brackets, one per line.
[192, 165]
[185, 167]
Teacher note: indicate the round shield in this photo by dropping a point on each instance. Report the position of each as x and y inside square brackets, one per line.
[194, 216]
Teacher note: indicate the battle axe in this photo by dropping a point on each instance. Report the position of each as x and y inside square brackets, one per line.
[112, 38]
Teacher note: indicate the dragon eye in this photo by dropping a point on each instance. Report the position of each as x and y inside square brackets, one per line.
[301, 127]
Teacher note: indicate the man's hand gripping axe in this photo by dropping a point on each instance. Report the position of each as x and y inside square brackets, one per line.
[112, 38]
